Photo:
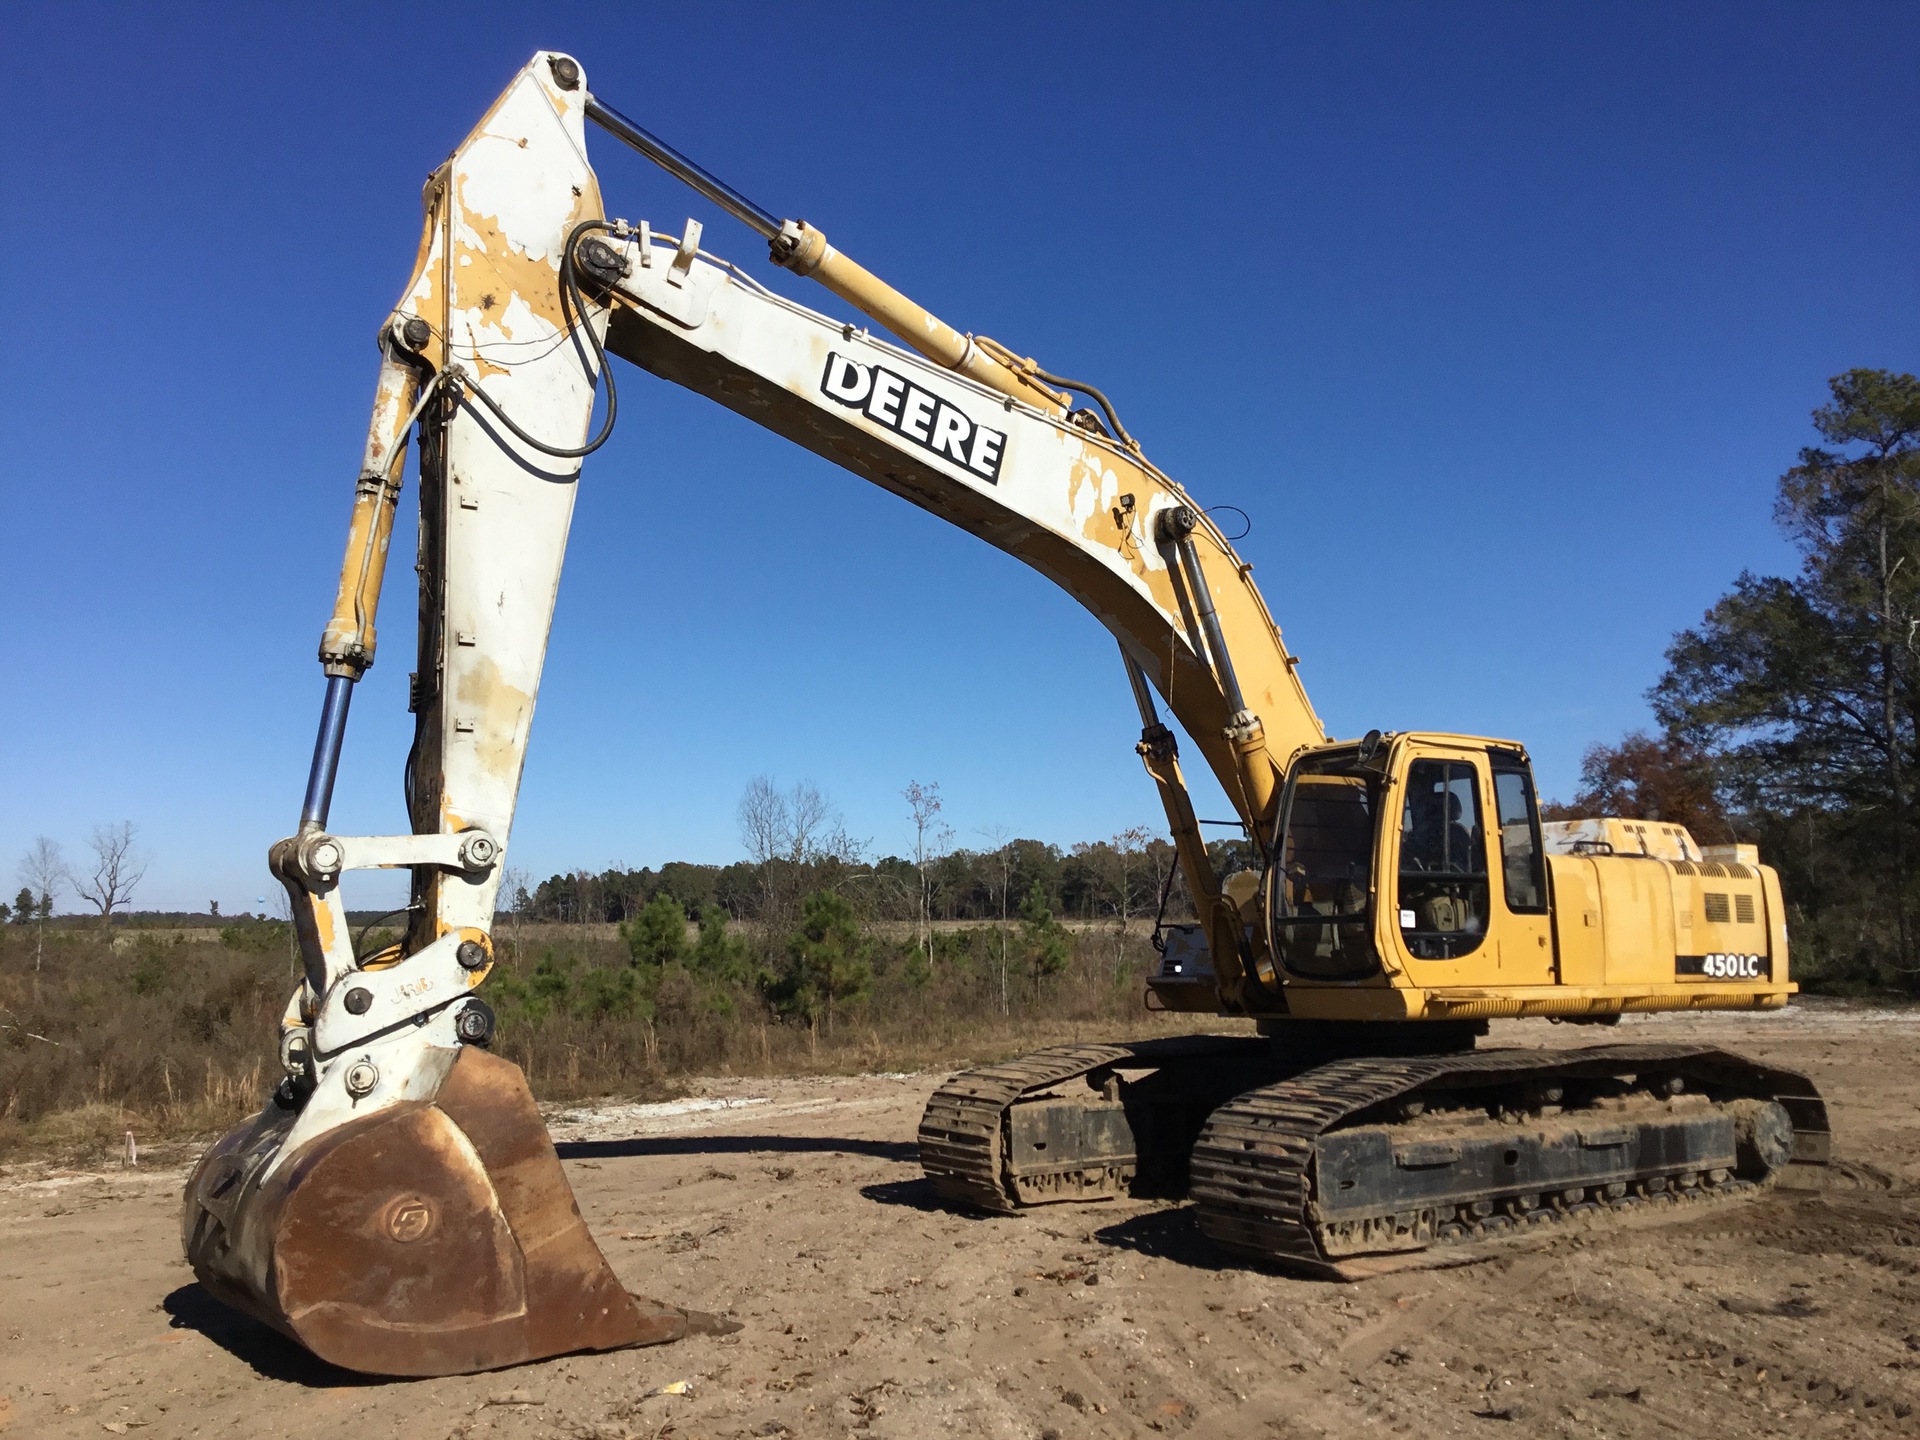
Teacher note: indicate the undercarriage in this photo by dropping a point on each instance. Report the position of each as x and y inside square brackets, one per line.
[1342, 1150]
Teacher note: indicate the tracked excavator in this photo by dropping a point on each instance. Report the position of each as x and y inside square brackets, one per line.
[397, 1206]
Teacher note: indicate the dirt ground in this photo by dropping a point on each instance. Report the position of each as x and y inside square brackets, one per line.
[871, 1311]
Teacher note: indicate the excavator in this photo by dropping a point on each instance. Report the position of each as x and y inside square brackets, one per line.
[397, 1206]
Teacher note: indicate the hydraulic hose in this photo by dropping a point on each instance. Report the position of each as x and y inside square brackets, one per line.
[573, 308]
[1098, 398]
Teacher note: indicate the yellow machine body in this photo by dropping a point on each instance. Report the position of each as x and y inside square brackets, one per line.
[1580, 920]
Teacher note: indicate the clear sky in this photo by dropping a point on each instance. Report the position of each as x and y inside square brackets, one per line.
[1499, 321]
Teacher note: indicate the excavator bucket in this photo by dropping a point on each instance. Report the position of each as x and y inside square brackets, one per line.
[431, 1237]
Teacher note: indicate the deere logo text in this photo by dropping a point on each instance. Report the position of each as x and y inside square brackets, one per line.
[904, 408]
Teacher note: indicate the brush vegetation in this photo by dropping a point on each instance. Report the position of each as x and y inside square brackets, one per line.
[172, 1033]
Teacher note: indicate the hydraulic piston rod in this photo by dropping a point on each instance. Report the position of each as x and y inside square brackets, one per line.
[683, 169]
[1142, 693]
[326, 753]
[1176, 527]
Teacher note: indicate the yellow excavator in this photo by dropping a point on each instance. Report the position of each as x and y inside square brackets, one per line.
[398, 1208]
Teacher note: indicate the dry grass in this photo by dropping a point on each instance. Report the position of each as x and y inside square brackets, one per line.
[172, 1035]
[157, 1033]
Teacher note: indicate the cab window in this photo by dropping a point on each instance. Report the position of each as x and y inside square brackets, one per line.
[1520, 861]
[1443, 867]
[1320, 909]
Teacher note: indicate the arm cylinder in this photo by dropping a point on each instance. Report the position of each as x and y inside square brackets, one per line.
[805, 251]
[802, 249]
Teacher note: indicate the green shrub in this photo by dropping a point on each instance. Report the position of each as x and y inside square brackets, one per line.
[257, 937]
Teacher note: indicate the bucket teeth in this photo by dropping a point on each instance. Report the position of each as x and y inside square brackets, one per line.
[432, 1237]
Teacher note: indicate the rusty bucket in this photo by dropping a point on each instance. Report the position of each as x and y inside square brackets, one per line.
[431, 1237]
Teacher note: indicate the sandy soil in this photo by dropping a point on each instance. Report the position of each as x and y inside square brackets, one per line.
[871, 1311]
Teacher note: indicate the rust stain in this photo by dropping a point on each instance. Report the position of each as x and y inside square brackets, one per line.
[495, 267]
[500, 712]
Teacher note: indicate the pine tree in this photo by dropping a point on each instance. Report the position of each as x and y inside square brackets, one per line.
[657, 936]
[1048, 945]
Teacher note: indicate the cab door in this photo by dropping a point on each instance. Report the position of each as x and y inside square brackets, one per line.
[1468, 883]
[1524, 891]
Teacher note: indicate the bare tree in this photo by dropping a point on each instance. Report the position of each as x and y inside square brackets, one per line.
[1128, 847]
[766, 828]
[930, 838]
[117, 869]
[517, 896]
[808, 817]
[999, 883]
[787, 833]
[44, 871]
[765, 820]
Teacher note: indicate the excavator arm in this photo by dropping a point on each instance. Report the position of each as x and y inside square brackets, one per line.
[397, 1207]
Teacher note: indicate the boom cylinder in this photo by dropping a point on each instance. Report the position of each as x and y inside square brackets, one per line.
[1178, 525]
[1142, 692]
[1161, 756]
[1259, 781]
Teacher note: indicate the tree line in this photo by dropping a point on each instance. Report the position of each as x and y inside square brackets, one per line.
[797, 929]
[796, 846]
[1787, 716]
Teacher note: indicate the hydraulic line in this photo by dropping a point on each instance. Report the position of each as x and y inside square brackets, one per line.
[1099, 398]
[803, 250]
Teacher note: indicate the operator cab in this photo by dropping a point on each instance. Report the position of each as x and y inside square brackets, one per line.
[1424, 849]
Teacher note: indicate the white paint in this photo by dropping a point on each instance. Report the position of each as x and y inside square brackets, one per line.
[529, 202]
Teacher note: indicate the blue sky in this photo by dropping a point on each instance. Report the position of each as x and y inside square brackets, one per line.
[1499, 321]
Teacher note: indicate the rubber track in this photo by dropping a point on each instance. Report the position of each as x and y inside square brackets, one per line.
[1252, 1186]
[962, 1132]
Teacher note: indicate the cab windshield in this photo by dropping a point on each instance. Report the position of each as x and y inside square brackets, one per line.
[1322, 916]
